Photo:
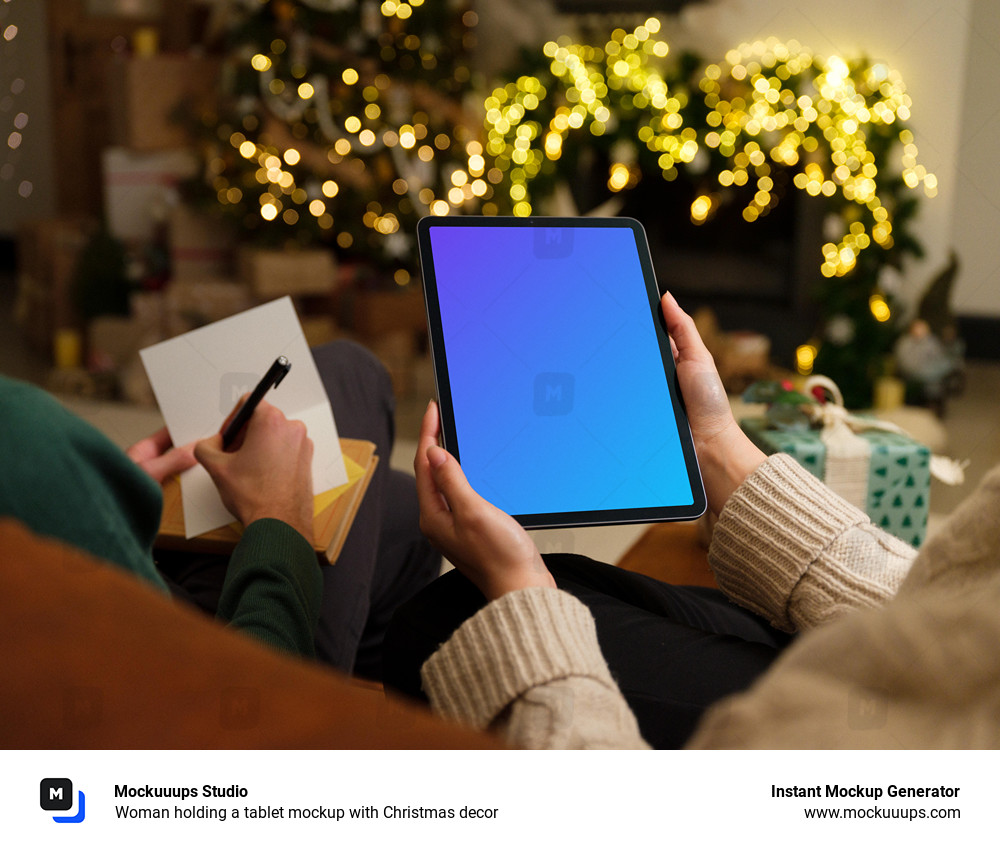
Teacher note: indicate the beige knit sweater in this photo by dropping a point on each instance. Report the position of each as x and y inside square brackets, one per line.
[882, 662]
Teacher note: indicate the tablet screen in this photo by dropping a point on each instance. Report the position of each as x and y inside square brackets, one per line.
[554, 370]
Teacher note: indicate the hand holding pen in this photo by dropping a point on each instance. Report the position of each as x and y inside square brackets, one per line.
[270, 474]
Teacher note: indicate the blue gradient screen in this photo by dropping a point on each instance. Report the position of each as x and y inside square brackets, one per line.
[558, 389]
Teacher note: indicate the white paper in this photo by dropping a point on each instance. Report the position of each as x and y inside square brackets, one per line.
[198, 378]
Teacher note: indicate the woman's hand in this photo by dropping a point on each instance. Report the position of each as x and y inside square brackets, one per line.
[268, 474]
[726, 455]
[486, 545]
[157, 456]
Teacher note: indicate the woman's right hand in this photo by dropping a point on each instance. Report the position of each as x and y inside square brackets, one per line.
[489, 547]
[726, 455]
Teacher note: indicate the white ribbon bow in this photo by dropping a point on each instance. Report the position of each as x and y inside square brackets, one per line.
[840, 430]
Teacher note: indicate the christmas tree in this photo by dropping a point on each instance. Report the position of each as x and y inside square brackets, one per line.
[341, 122]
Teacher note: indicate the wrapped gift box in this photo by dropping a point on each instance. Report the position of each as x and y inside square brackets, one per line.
[141, 188]
[191, 304]
[273, 273]
[201, 245]
[47, 255]
[899, 474]
[148, 96]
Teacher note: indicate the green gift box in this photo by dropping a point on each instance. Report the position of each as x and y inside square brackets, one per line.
[898, 479]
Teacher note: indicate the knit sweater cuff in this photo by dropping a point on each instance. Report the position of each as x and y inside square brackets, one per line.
[523, 639]
[273, 587]
[771, 530]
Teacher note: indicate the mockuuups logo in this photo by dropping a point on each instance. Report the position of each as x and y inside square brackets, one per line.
[56, 795]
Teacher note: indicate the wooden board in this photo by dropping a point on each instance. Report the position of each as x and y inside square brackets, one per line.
[330, 526]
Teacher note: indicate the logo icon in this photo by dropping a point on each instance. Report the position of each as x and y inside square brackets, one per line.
[56, 795]
[553, 243]
[553, 393]
[239, 708]
[866, 709]
[232, 387]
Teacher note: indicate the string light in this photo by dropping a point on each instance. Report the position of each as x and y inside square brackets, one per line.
[16, 137]
[302, 146]
[767, 109]
[769, 103]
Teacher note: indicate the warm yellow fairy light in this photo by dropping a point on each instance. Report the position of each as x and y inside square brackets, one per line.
[330, 188]
[349, 76]
[292, 156]
[618, 178]
[700, 208]
[879, 307]
[268, 212]
[260, 62]
[805, 358]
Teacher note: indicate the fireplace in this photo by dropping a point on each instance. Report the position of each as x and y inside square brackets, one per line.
[755, 276]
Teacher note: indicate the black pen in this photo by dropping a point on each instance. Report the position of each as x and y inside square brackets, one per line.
[272, 378]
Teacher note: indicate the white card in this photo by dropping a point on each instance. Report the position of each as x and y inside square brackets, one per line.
[198, 377]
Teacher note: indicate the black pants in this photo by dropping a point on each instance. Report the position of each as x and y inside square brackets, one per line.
[673, 650]
[385, 559]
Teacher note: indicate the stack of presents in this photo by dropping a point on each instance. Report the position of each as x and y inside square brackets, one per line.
[185, 266]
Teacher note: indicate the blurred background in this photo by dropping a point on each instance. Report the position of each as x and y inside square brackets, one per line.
[817, 181]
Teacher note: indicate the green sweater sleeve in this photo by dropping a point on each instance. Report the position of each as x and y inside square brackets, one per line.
[64, 479]
[273, 587]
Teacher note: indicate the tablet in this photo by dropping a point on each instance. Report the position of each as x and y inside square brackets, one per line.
[555, 377]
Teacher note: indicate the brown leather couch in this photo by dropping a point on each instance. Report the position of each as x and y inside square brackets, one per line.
[92, 658]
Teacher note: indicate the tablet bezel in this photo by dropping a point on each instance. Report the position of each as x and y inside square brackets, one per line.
[449, 436]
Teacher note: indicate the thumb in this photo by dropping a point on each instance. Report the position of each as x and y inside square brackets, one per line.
[450, 480]
[171, 462]
[209, 451]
